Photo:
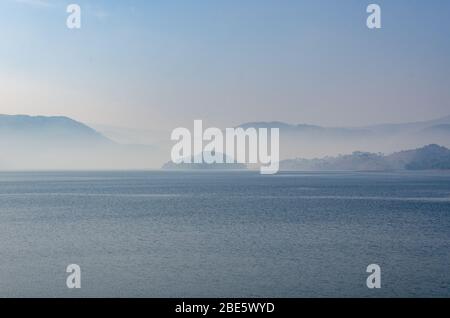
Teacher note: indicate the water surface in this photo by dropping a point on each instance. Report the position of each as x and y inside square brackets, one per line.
[224, 234]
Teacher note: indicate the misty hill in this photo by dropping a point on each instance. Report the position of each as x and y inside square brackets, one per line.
[313, 141]
[357, 161]
[47, 130]
[204, 166]
[430, 157]
[305, 128]
[40, 142]
[419, 125]
[440, 129]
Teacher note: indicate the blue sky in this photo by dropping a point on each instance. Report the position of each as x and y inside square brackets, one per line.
[161, 64]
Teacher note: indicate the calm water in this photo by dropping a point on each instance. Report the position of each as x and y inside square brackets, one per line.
[180, 234]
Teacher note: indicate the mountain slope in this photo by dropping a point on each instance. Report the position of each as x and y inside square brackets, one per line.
[61, 143]
[311, 141]
[170, 165]
[47, 130]
[430, 157]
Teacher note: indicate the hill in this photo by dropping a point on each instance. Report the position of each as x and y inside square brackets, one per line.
[61, 143]
[204, 166]
[57, 129]
[430, 157]
[313, 141]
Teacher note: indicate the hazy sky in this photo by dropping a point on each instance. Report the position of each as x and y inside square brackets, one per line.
[160, 64]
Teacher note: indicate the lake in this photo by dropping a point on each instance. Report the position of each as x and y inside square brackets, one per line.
[224, 234]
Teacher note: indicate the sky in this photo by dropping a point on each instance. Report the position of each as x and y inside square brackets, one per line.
[150, 64]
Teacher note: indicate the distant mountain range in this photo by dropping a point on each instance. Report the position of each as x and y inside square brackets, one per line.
[53, 143]
[431, 157]
[440, 123]
[39, 142]
[48, 130]
[312, 141]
